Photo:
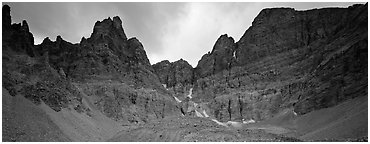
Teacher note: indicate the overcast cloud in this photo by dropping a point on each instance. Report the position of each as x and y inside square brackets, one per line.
[168, 31]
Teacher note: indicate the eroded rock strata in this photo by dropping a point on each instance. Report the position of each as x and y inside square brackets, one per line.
[107, 69]
[287, 59]
[289, 65]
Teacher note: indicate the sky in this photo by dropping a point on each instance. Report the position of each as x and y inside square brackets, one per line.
[168, 31]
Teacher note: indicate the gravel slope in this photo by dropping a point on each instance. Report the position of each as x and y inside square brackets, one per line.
[24, 121]
[345, 122]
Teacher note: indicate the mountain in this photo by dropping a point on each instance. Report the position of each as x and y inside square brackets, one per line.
[290, 61]
[222, 57]
[107, 79]
[305, 60]
[292, 76]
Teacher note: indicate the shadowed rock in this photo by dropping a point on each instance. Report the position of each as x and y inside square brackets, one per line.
[221, 57]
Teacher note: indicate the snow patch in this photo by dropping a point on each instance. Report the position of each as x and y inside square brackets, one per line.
[198, 114]
[220, 123]
[179, 101]
[294, 113]
[229, 123]
[190, 93]
[205, 114]
[249, 121]
[164, 85]
[234, 124]
[234, 54]
[195, 105]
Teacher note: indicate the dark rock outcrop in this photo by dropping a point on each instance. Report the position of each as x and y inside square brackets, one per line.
[27, 72]
[177, 77]
[7, 19]
[171, 74]
[221, 58]
[163, 70]
[17, 36]
[109, 28]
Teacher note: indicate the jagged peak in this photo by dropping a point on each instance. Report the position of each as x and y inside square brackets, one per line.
[109, 27]
[221, 41]
[167, 62]
[106, 22]
[46, 40]
[134, 40]
[225, 36]
[134, 43]
[59, 38]
[6, 17]
[6, 8]
[25, 25]
[163, 62]
[117, 22]
[182, 61]
[83, 39]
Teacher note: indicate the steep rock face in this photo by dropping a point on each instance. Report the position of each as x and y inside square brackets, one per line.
[26, 73]
[61, 74]
[177, 77]
[138, 53]
[7, 19]
[60, 53]
[106, 54]
[109, 28]
[221, 58]
[163, 71]
[287, 59]
[280, 29]
[331, 36]
[18, 36]
[109, 34]
[183, 72]
[171, 74]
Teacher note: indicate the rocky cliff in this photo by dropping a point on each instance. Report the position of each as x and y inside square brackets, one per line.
[107, 69]
[222, 57]
[107, 54]
[177, 77]
[18, 36]
[32, 77]
[288, 63]
[287, 59]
